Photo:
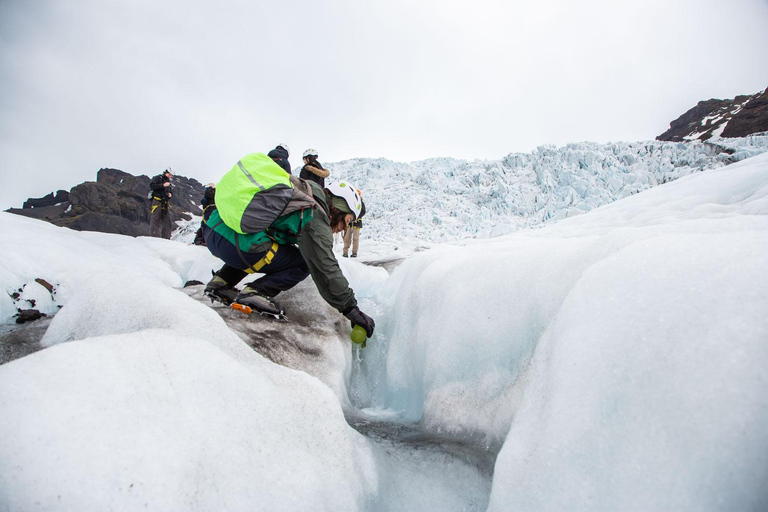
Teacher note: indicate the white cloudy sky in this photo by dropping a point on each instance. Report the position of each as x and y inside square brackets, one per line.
[141, 85]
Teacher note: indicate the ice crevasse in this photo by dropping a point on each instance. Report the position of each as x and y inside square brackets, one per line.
[617, 359]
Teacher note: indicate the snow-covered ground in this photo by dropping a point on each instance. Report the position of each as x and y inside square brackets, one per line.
[615, 360]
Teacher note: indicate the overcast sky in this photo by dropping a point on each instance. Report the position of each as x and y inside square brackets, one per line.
[142, 85]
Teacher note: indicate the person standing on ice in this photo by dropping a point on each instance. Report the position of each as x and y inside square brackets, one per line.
[288, 248]
[313, 170]
[280, 155]
[352, 237]
[159, 213]
[352, 233]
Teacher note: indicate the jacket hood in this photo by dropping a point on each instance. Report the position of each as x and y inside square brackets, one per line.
[278, 153]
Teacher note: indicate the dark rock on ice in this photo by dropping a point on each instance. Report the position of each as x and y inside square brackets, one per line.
[29, 315]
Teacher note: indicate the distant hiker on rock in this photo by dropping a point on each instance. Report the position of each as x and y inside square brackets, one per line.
[280, 226]
[280, 155]
[160, 215]
[312, 169]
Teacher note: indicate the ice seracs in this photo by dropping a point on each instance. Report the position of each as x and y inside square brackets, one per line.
[444, 199]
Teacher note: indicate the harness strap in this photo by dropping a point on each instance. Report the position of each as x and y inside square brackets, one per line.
[163, 203]
[239, 252]
[205, 221]
[266, 260]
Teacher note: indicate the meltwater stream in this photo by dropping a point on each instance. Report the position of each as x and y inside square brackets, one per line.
[423, 471]
[419, 469]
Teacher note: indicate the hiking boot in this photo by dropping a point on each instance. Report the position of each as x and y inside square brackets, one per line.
[354, 255]
[345, 255]
[218, 290]
[251, 299]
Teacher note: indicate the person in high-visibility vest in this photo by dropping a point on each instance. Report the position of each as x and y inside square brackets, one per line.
[283, 256]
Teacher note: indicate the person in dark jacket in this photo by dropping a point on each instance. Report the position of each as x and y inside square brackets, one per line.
[286, 265]
[159, 214]
[312, 169]
[280, 155]
[208, 201]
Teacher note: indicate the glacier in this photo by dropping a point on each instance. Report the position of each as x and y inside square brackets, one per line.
[444, 199]
[614, 359]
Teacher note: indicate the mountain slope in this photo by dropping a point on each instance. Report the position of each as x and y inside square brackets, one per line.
[739, 117]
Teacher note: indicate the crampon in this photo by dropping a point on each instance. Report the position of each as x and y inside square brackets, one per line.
[264, 307]
[225, 295]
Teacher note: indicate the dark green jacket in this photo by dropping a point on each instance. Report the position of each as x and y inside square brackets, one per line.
[316, 246]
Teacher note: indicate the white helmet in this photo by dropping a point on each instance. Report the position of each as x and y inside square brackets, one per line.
[309, 152]
[285, 147]
[349, 193]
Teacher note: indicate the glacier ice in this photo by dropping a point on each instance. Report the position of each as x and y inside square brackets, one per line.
[488, 198]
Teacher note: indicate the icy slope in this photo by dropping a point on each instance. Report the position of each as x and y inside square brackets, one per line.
[147, 400]
[619, 356]
[443, 199]
[157, 421]
[66, 259]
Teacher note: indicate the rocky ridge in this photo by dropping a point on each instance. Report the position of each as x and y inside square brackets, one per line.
[116, 202]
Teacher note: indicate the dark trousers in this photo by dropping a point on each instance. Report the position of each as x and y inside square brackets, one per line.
[160, 220]
[286, 270]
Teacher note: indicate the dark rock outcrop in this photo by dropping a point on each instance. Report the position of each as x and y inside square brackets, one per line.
[753, 118]
[115, 203]
[62, 196]
[739, 117]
